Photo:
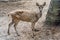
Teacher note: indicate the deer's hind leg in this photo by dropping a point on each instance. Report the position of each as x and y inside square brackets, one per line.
[15, 25]
[11, 23]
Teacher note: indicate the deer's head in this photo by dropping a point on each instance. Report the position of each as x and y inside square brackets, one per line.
[41, 6]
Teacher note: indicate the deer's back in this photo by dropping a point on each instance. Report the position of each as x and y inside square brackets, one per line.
[25, 16]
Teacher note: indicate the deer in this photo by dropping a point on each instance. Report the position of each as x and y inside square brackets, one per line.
[28, 16]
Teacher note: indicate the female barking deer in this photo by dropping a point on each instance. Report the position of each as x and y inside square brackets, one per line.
[26, 15]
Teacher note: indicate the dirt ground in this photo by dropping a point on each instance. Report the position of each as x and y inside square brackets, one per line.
[24, 28]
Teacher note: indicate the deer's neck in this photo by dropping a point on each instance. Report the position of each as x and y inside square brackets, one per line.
[40, 14]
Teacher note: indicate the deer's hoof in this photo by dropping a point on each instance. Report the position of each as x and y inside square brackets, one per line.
[36, 30]
[8, 33]
[18, 35]
[32, 37]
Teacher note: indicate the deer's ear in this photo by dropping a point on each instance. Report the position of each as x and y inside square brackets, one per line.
[44, 3]
[37, 4]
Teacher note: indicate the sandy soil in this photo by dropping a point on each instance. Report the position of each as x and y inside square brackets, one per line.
[24, 28]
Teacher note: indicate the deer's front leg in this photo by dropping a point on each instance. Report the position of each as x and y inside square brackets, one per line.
[33, 24]
[33, 30]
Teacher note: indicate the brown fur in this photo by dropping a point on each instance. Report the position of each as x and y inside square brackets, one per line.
[23, 15]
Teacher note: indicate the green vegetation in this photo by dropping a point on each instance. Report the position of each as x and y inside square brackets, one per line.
[53, 14]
